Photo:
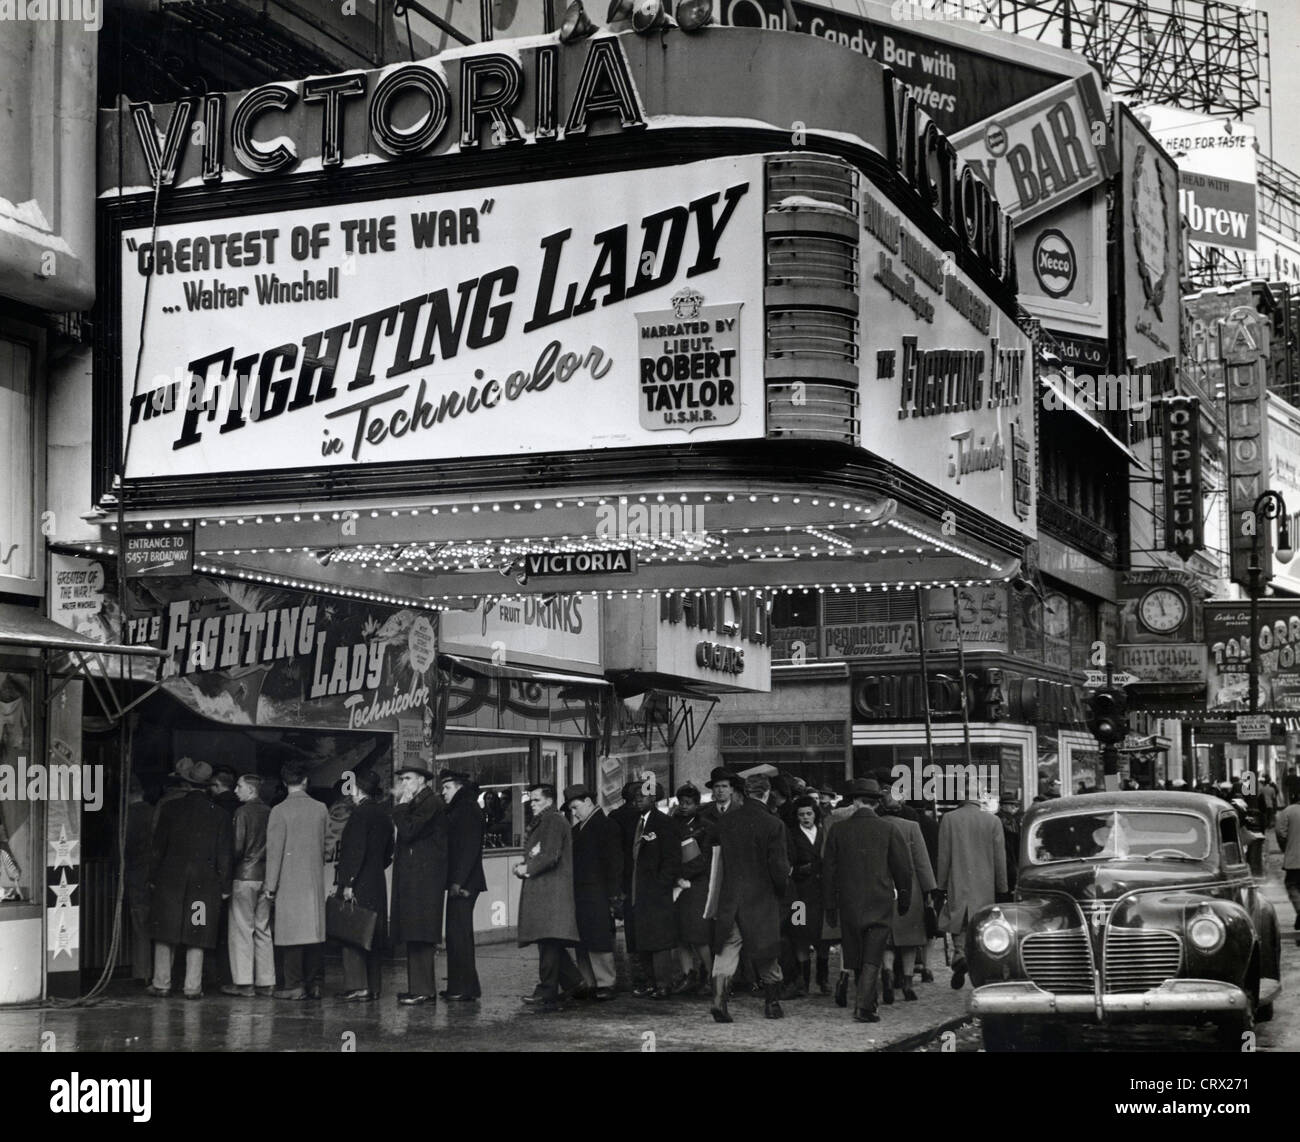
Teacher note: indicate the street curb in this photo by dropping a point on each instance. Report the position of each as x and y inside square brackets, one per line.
[920, 1038]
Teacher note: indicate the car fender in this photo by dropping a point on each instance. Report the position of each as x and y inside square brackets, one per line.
[1037, 913]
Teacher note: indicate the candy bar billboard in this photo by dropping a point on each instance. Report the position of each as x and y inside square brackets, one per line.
[550, 316]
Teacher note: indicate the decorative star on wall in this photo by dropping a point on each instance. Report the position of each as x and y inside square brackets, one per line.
[64, 849]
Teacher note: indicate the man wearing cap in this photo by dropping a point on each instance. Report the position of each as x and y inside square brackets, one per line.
[1009, 815]
[419, 877]
[651, 922]
[597, 886]
[295, 884]
[189, 877]
[865, 867]
[465, 880]
[755, 869]
[972, 870]
[547, 916]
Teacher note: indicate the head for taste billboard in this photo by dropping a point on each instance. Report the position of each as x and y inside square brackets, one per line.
[500, 321]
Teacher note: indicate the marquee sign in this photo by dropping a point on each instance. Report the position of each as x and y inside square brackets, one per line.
[507, 320]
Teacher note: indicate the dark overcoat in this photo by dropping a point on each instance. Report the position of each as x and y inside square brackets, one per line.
[465, 841]
[692, 927]
[657, 862]
[365, 850]
[597, 879]
[755, 872]
[546, 910]
[192, 854]
[624, 819]
[866, 860]
[803, 911]
[419, 868]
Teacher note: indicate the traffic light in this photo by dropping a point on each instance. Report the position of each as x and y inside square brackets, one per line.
[1108, 715]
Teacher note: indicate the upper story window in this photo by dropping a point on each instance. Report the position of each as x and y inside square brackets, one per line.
[22, 482]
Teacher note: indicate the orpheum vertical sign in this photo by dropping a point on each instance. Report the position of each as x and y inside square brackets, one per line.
[1243, 348]
[1184, 518]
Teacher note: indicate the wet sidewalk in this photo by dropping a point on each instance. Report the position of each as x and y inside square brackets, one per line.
[127, 1020]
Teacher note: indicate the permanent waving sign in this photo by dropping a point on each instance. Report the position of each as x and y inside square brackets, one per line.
[533, 318]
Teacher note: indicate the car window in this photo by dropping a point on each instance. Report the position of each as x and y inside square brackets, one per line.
[1228, 840]
[1117, 835]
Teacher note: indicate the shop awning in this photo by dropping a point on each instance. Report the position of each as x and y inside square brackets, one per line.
[22, 626]
[630, 683]
[482, 668]
[1058, 390]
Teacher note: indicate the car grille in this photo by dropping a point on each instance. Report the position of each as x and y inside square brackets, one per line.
[1138, 959]
[1058, 961]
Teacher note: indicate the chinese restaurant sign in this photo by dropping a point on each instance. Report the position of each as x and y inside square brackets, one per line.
[539, 317]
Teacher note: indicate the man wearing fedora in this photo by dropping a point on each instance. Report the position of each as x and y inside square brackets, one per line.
[597, 888]
[295, 884]
[651, 918]
[189, 877]
[755, 869]
[465, 880]
[866, 861]
[547, 916]
[419, 877]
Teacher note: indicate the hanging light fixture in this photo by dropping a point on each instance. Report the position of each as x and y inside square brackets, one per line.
[576, 25]
[692, 15]
[649, 16]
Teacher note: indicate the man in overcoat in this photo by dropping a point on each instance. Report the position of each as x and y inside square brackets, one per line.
[547, 916]
[651, 917]
[465, 880]
[295, 884]
[755, 869]
[365, 851]
[189, 877]
[597, 886]
[865, 863]
[419, 877]
[972, 871]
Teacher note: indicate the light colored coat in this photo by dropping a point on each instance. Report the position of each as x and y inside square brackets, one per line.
[295, 868]
[1287, 828]
[972, 863]
[909, 928]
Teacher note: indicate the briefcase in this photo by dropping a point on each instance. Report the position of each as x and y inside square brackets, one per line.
[350, 923]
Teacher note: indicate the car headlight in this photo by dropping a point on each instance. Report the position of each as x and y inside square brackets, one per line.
[996, 937]
[1206, 932]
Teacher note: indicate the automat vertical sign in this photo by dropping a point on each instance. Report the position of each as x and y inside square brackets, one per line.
[1181, 443]
[1243, 347]
[689, 363]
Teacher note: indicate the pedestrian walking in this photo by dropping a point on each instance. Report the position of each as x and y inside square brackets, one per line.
[694, 932]
[138, 851]
[802, 922]
[597, 889]
[1287, 829]
[249, 942]
[866, 874]
[1008, 816]
[651, 919]
[189, 877]
[907, 928]
[465, 880]
[295, 884]
[972, 871]
[1268, 798]
[547, 916]
[365, 851]
[750, 878]
[419, 878]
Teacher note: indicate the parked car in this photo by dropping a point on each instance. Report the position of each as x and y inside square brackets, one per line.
[1136, 906]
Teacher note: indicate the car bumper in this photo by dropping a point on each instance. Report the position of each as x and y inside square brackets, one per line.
[1176, 995]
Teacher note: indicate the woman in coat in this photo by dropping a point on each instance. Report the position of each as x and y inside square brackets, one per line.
[365, 850]
[694, 932]
[802, 923]
[419, 878]
[908, 930]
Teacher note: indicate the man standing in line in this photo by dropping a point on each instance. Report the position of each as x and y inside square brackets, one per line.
[1287, 830]
[252, 956]
[139, 849]
[419, 878]
[651, 917]
[295, 883]
[465, 880]
[972, 871]
[865, 863]
[547, 916]
[755, 869]
[597, 883]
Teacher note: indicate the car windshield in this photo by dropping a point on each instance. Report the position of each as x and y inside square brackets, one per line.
[1119, 834]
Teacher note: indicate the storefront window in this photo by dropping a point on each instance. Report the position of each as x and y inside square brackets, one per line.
[17, 822]
[948, 783]
[19, 468]
[499, 767]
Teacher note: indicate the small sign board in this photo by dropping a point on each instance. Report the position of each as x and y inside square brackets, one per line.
[1094, 679]
[622, 562]
[149, 552]
[1254, 728]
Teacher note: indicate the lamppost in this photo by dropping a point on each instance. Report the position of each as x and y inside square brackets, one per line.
[1270, 505]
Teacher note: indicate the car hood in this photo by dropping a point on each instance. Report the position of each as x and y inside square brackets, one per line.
[1106, 880]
